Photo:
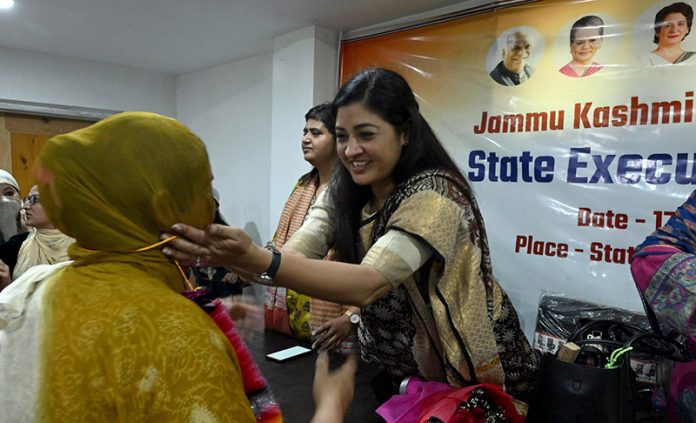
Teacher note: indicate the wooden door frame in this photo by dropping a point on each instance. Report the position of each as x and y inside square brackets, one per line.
[42, 110]
[23, 115]
[54, 110]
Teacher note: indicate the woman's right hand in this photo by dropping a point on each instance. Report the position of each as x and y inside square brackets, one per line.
[217, 245]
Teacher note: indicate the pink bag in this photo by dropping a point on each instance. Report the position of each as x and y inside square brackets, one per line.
[406, 408]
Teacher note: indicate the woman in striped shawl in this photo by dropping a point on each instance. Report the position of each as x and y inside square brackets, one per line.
[286, 310]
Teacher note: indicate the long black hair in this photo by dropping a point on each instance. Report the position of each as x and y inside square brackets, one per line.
[325, 114]
[387, 94]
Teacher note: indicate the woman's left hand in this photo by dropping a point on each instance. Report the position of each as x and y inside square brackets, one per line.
[330, 335]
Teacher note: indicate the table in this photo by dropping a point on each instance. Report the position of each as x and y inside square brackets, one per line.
[291, 381]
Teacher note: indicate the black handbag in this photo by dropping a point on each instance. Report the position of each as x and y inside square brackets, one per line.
[588, 390]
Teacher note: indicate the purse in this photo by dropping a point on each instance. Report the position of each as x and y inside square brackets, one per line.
[600, 385]
[570, 393]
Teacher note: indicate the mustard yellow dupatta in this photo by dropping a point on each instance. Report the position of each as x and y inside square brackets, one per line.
[119, 342]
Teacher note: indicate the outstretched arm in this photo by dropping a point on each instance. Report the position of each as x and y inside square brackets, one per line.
[218, 245]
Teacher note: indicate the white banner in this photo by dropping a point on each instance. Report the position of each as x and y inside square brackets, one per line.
[571, 171]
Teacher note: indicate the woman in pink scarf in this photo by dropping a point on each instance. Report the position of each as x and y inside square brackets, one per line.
[664, 270]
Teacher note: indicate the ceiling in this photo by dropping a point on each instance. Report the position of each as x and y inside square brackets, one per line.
[178, 36]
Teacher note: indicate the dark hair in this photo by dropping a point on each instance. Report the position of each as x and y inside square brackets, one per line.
[387, 94]
[218, 216]
[325, 114]
[589, 21]
[679, 7]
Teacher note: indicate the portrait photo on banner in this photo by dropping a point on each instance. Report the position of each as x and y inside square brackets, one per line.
[662, 35]
[514, 57]
[587, 45]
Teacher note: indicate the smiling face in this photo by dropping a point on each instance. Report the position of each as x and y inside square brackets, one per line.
[317, 143]
[516, 52]
[587, 42]
[368, 147]
[34, 212]
[672, 30]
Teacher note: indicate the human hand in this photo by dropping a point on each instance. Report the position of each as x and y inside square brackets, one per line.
[5, 277]
[217, 245]
[329, 336]
[246, 313]
[333, 391]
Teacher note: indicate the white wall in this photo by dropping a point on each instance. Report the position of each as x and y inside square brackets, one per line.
[250, 114]
[229, 107]
[304, 74]
[325, 64]
[293, 95]
[44, 78]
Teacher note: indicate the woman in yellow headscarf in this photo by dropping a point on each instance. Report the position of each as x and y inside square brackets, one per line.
[108, 337]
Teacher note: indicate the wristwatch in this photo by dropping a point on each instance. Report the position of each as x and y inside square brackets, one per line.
[266, 277]
[353, 317]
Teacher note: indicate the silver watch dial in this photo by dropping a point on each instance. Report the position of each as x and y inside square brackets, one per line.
[263, 278]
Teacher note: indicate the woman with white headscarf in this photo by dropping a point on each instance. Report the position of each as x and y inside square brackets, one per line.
[10, 225]
[8, 185]
[9, 205]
